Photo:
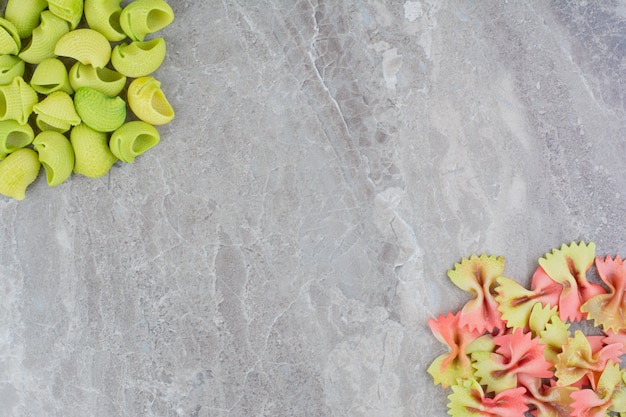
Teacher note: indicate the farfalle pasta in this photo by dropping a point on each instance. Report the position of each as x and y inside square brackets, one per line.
[74, 97]
[532, 361]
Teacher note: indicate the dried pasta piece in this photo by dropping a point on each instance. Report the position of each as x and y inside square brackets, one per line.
[143, 17]
[56, 112]
[56, 155]
[133, 139]
[87, 46]
[24, 14]
[44, 38]
[10, 42]
[10, 67]
[17, 172]
[99, 111]
[104, 16]
[568, 266]
[50, 76]
[69, 10]
[138, 59]
[477, 275]
[455, 364]
[609, 310]
[14, 136]
[92, 156]
[103, 79]
[148, 102]
[597, 402]
[469, 400]
[17, 100]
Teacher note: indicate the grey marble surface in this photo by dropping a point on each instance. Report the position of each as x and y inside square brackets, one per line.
[280, 251]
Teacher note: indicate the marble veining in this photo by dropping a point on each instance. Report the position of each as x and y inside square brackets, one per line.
[280, 251]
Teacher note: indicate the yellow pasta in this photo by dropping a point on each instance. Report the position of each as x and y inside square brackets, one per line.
[99, 111]
[143, 17]
[138, 59]
[17, 172]
[10, 42]
[92, 156]
[56, 112]
[50, 76]
[24, 14]
[103, 79]
[148, 102]
[14, 136]
[133, 139]
[87, 46]
[44, 38]
[104, 16]
[56, 155]
[17, 100]
[69, 10]
[10, 67]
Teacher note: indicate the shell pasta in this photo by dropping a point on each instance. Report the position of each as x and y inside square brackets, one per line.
[78, 91]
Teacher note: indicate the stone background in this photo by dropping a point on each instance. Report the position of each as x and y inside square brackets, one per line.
[281, 250]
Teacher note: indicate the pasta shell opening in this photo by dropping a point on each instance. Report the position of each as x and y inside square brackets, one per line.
[16, 140]
[157, 20]
[142, 143]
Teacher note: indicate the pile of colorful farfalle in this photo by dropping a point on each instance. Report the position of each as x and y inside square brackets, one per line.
[515, 351]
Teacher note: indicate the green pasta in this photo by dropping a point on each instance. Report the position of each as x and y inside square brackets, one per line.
[72, 117]
[18, 171]
[103, 79]
[92, 156]
[24, 14]
[10, 42]
[99, 111]
[133, 139]
[17, 100]
[104, 16]
[56, 112]
[138, 59]
[56, 155]
[10, 67]
[143, 17]
[68, 10]
[44, 38]
[148, 102]
[50, 76]
[14, 136]
[87, 46]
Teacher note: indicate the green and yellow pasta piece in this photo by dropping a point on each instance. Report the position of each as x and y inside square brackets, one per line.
[10, 67]
[133, 139]
[14, 136]
[17, 100]
[138, 59]
[56, 112]
[105, 80]
[24, 14]
[148, 102]
[143, 17]
[92, 156]
[50, 76]
[99, 111]
[87, 46]
[17, 172]
[10, 42]
[104, 16]
[56, 155]
[69, 10]
[44, 38]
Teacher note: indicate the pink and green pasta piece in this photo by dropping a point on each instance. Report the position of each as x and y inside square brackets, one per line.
[513, 351]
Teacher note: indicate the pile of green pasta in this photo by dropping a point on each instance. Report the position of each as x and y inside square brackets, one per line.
[68, 71]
